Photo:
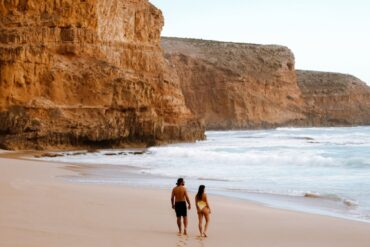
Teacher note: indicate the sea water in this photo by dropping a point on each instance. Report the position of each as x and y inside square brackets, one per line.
[318, 170]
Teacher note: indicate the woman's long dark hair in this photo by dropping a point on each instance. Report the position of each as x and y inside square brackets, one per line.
[200, 192]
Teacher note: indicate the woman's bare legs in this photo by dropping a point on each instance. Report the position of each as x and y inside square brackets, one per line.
[206, 215]
[200, 223]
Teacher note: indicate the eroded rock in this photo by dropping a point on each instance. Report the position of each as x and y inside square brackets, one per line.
[87, 73]
[234, 86]
[231, 85]
[334, 99]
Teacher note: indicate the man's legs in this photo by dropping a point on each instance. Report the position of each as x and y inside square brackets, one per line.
[179, 224]
[185, 225]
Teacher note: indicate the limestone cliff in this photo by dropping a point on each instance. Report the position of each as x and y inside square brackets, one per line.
[233, 85]
[334, 99]
[87, 73]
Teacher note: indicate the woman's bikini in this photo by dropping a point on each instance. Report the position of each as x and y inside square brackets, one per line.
[201, 204]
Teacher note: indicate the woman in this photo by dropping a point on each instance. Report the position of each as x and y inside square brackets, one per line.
[203, 209]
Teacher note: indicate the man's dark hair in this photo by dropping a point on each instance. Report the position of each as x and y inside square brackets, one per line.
[180, 181]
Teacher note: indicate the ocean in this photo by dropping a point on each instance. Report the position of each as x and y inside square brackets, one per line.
[316, 170]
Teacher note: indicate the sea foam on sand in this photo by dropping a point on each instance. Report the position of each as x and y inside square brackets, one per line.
[323, 170]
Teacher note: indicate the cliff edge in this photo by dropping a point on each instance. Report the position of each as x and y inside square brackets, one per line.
[242, 86]
[87, 73]
[233, 85]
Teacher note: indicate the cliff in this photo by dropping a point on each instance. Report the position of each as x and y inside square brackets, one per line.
[87, 73]
[334, 99]
[231, 85]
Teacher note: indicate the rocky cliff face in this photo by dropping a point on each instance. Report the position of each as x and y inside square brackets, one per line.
[233, 85]
[334, 99]
[87, 73]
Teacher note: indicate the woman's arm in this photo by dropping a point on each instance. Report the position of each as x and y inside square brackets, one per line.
[196, 203]
[206, 199]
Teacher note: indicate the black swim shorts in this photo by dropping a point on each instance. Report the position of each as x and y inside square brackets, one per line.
[180, 209]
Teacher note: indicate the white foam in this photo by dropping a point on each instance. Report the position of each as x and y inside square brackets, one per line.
[329, 162]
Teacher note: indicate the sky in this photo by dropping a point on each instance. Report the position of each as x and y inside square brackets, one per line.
[325, 35]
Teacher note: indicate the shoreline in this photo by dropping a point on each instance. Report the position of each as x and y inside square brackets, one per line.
[39, 208]
[82, 175]
[302, 204]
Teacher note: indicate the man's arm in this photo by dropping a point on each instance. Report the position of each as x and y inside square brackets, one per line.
[187, 199]
[173, 199]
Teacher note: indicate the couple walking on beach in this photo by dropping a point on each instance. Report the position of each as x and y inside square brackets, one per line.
[179, 198]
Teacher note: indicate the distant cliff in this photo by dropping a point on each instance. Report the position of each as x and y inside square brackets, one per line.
[232, 85]
[334, 99]
[87, 73]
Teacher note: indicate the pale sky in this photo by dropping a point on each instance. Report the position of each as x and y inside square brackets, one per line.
[325, 35]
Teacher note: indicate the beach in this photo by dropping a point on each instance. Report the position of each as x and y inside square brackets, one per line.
[101, 113]
[40, 208]
[314, 170]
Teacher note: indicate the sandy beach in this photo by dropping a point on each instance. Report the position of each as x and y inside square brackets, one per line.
[39, 208]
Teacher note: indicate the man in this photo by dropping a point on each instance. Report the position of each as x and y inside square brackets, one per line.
[178, 198]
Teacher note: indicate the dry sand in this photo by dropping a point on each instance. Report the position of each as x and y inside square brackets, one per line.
[39, 208]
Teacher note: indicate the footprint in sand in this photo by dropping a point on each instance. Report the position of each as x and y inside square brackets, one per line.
[182, 241]
[200, 241]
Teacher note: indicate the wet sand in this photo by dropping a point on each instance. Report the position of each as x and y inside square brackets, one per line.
[40, 208]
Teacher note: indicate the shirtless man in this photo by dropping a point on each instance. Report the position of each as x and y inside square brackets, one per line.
[178, 197]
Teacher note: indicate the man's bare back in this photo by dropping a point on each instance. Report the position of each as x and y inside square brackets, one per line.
[179, 192]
